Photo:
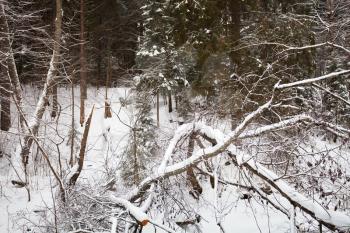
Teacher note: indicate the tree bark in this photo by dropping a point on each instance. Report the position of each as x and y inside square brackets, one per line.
[50, 81]
[83, 69]
[71, 160]
[76, 174]
[5, 86]
[235, 11]
[54, 93]
[5, 95]
[108, 111]
[170, 102]
[136, 164]
[10, 66]
[191, 177]
[83, 63]
[158, 109]
[82, 109]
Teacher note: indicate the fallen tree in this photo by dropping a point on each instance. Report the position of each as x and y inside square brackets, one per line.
[225, 144]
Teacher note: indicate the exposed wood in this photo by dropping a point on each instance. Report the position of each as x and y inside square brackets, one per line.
[83, 144]
[108, 110]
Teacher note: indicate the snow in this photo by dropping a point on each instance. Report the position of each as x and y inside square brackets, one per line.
[114, 225]
[180, 132]
[100, 151]
[310, 205]
[135, 211]
[106, 140]
[15, 208]
[312, 80]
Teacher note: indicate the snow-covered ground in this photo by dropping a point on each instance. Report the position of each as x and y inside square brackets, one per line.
[13, 201]
[106, 142]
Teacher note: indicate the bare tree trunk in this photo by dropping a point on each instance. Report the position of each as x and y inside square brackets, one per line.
[83, 69]
[50, 80]
[83, 63]
[5, 107]
[82, 109]
[75, 176]
[108, 111]
[176, 101]
[170, 102]
[71, 159]
[235, 12]
[10, 66]
[54, 93]
[136, 164]
[158, 109]
[191, 177]
[5, 96]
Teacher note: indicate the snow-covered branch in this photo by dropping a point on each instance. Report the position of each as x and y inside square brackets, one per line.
[330, 219]
[198, 156]
[332, 94]
[276, 126]
[311, 80]
[133, 210]
[290, 48]
[296, 48]
[138, 213]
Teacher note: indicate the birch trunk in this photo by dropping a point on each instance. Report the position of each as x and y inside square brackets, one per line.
[158, 109]
[34, 122]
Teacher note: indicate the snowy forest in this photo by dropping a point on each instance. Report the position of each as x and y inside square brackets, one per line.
[164, 116]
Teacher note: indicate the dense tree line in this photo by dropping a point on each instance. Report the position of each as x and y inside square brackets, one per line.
[273, 69]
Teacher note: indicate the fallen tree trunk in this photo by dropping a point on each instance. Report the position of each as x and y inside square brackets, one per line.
[331, 219]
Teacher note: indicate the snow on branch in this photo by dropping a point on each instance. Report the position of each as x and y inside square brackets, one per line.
[276, 126]
[140, 216]
[332, 94]
[335, 129]
[196, 157]
[331, 219]
[295, 48]
[289, 48]
[311, 80]
[138, 213]
[180, 132]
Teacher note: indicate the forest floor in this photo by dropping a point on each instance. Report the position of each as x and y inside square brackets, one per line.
[106, 143]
